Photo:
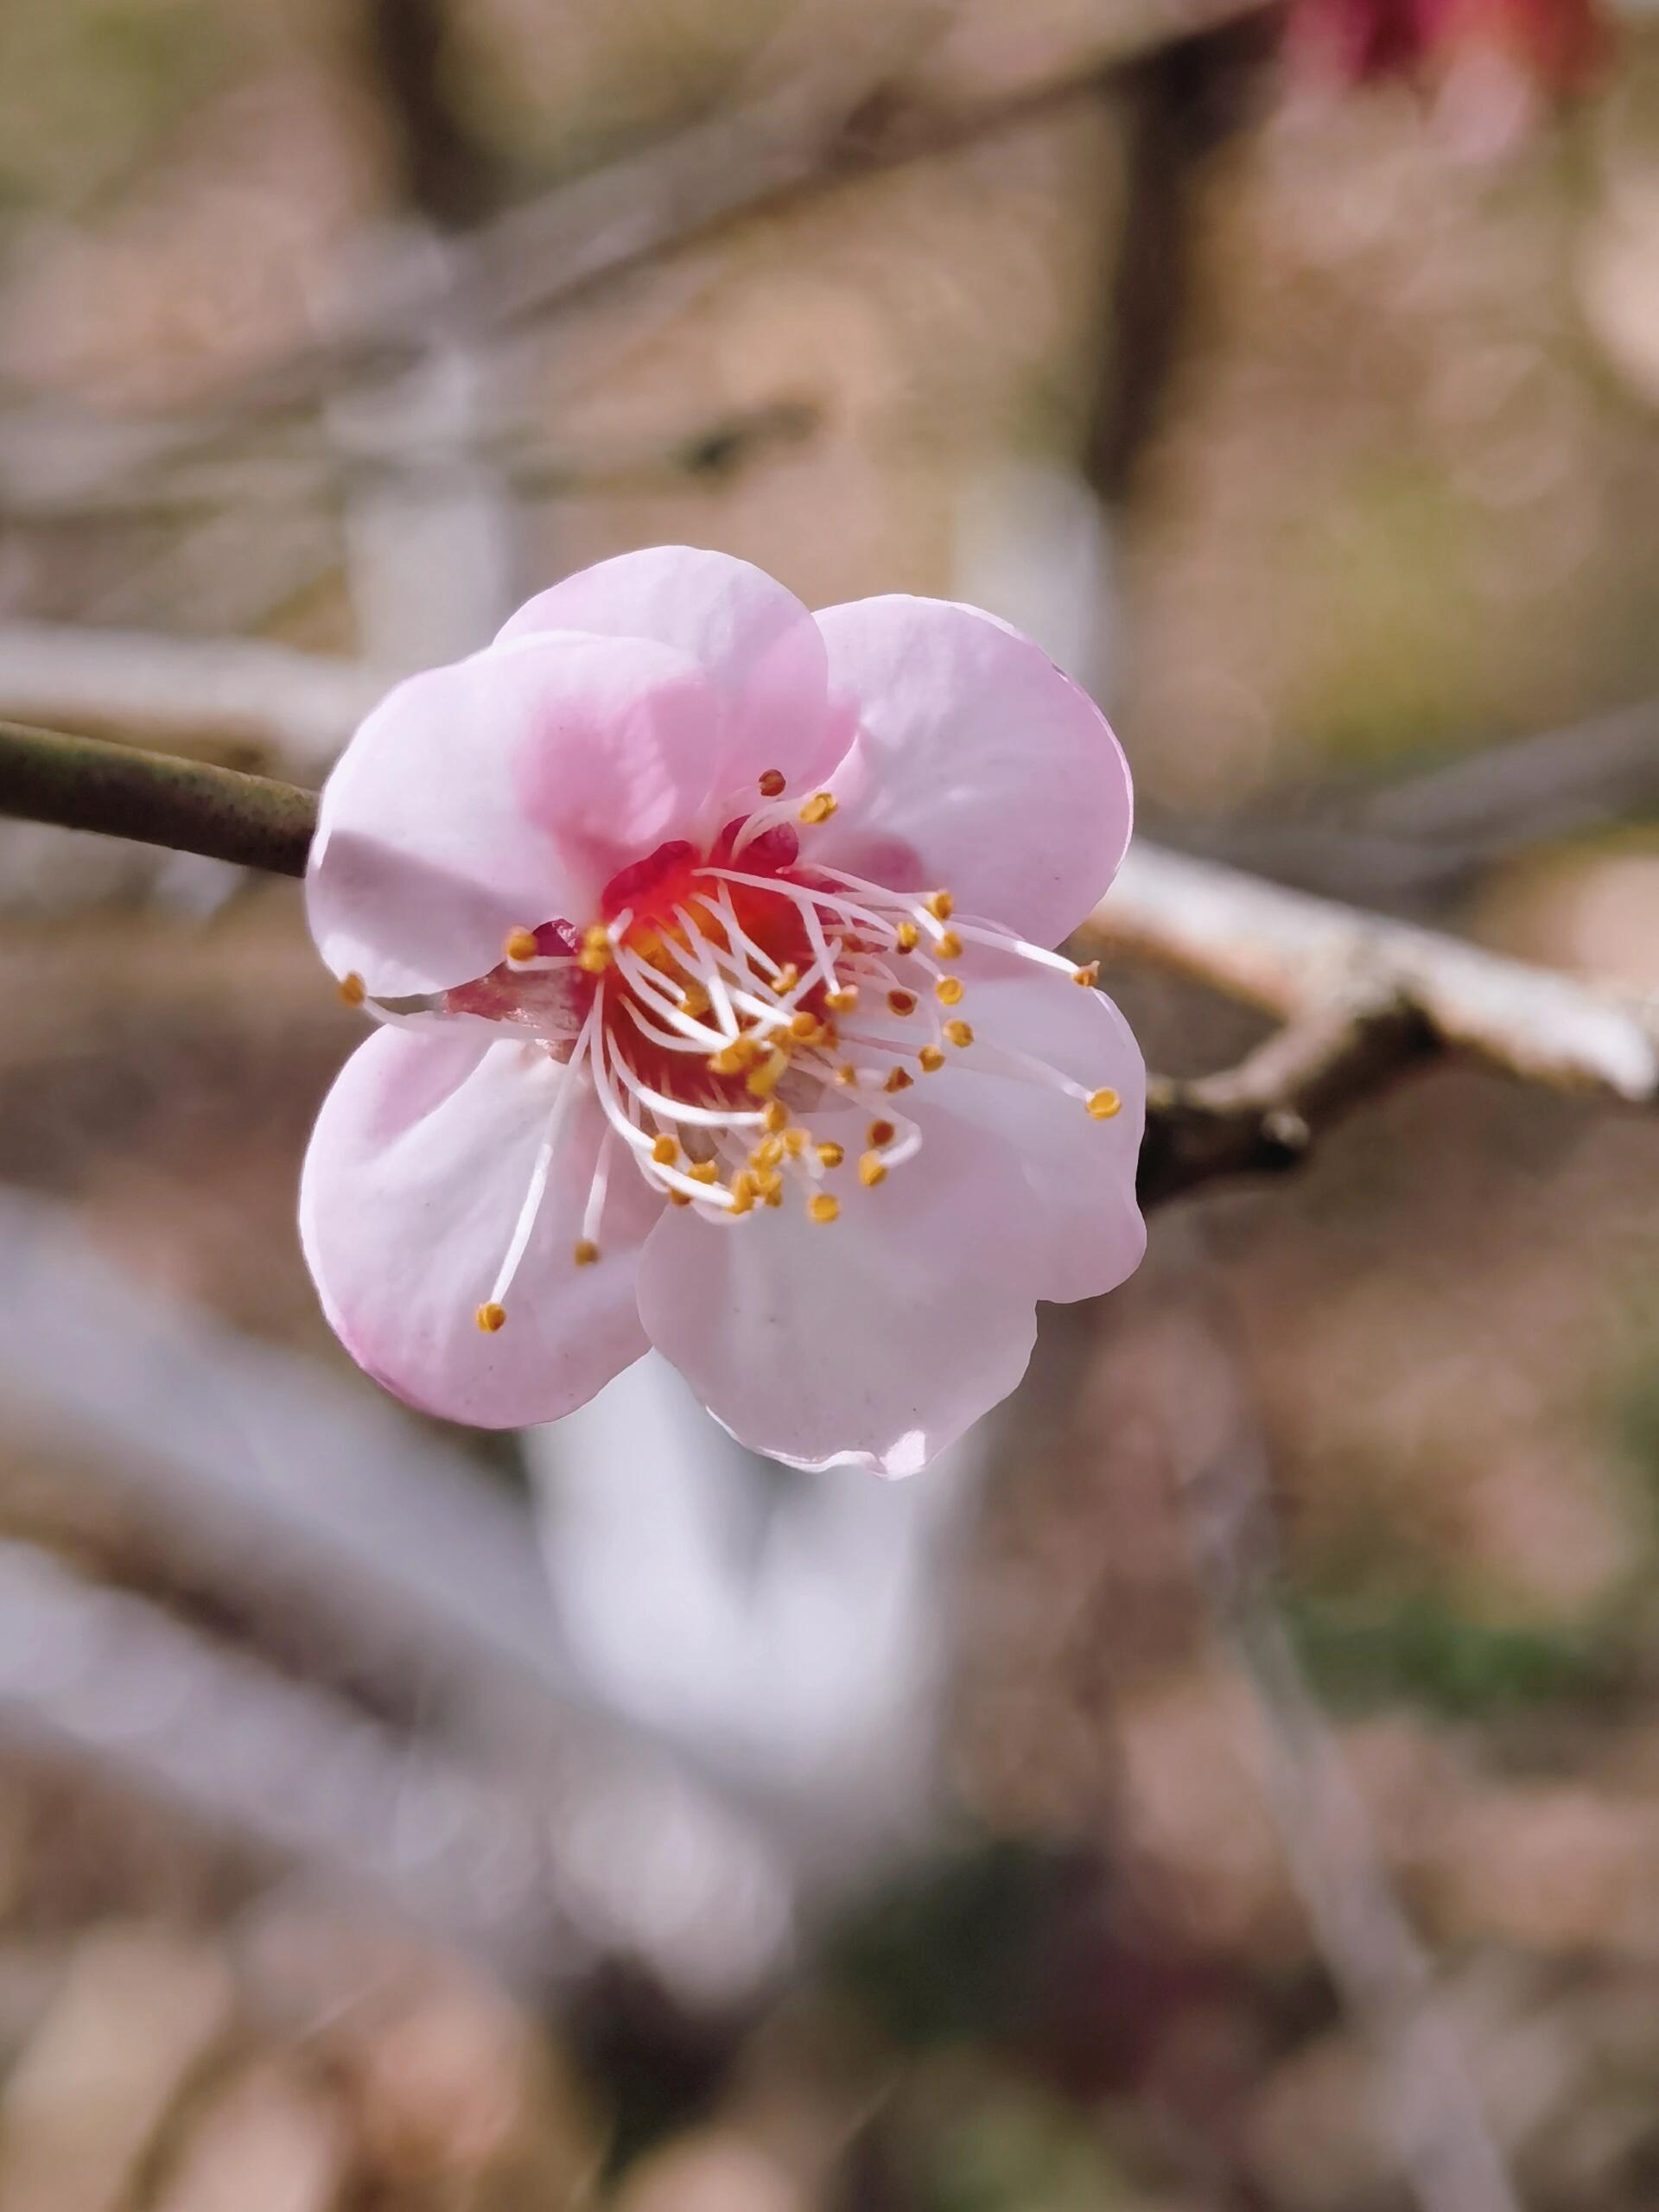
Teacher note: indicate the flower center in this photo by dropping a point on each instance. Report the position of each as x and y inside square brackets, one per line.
[748, 1018]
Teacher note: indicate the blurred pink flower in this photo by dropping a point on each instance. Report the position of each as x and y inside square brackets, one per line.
[1547, 45]
[685, 1041]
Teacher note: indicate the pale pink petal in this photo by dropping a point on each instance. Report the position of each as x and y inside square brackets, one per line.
[979, 767]
[500, 793]
[758, 645]
[873, 1340]
[416, 1173]
[1057, 1185]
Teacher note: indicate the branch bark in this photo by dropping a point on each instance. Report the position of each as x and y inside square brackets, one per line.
[1362, 1000]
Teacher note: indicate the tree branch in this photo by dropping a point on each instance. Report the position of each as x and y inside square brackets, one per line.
[87, 783]
[1363, 1000]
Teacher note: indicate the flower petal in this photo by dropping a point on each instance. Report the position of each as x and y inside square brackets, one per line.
[756, 642]
[874, 1340]
[418, 1170]
[978, 766]
[498, 793]
[1060, 1182]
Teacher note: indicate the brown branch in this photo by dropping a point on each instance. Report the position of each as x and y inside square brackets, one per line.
[87, 783]
[1362, 998]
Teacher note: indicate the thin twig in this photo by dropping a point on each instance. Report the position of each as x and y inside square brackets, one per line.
[1297, 956]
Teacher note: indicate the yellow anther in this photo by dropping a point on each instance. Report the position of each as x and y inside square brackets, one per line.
[786, 978]
[960, 1031]
[843, 1001]
[940, 905]
[742, 1189]
[732, 1059]
[1103, 1104]
[872, 1170]
[491, 1318]
[899, 1079]
[947, 990]
[764, 1080]
[584, 1252]
[822, 1206]
[846, 1076]
[679, 1197]
[775, 1195]
[830, 1155]
[771, 782]
[901, 1002]
[796, 1141]
[353, 989]
[595, 956]
[906, 938]
[818, 808]
[948, 947]
[1088, 974]
[665, 1152]
[768, 1184]
[879, 1133]
[931, 1057]
[768, 1152]
[804, 1025]
[704, 1170]
[694, 1000]
[521, 944]
[775, 1119]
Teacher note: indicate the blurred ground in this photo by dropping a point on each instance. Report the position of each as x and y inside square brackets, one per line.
[1394, 500]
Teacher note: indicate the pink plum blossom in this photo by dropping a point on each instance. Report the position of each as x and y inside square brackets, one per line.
[708, 940]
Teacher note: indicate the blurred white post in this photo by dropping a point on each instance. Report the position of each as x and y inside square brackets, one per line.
[430, 531]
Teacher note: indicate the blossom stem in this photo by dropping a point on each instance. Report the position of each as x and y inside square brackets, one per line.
[194, 806]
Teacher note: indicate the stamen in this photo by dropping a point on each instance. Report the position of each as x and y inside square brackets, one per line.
[931, 1057]
[352, 990]
[531, 1207]
[947, 945]
[818, 808]
[823, 1206]
[665, 1152]
[872, 1170]
[906, 938]
[775, 1119]
[761, 1082]
[584, 1252]
[880, 1132]
[596, 953]
[491, 1317]
[771, 782]
[940, 905]
[960, 1033]
[897, 1079]
[830, 1155]
[1103, 1104]
[902, 1002]
[1087, 975]
[520, 946]
[593, 1211]
[843, 1001]
[948, 990]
